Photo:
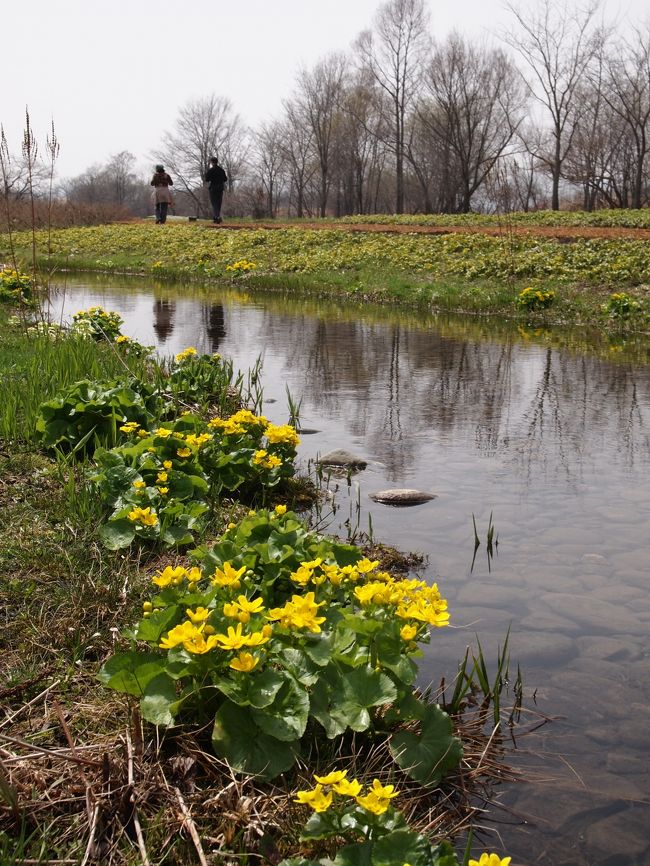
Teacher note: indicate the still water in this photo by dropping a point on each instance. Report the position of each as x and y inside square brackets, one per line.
[546, 432]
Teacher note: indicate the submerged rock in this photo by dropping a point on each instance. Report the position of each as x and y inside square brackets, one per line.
[402, 496]
[339, 457]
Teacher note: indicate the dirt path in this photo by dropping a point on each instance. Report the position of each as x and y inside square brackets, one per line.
[564, 234]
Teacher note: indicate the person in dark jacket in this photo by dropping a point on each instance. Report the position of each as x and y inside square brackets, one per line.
[162, 196]
[216, 179]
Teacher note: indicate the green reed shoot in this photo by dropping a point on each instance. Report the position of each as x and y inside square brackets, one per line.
[294, 409]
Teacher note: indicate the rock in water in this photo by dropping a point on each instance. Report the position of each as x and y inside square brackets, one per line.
[342, 458]
[402, 496]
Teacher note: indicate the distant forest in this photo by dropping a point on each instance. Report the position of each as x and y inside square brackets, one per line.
[555, 115]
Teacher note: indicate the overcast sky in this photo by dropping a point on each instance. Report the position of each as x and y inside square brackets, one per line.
[113, 74]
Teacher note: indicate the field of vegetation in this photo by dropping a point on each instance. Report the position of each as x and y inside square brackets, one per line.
[638, 218]
[192, 672]
[602, 282]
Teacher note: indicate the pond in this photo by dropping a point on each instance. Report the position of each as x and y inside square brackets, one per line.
[546, 433]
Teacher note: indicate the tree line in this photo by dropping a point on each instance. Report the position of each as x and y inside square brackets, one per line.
[556, 113]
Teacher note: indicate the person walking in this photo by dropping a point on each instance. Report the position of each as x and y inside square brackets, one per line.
[216, 179]
[162, 196]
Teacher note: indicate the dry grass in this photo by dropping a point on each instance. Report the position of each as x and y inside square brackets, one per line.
[88, 783]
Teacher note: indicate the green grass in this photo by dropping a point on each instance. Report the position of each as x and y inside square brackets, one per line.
[35, 368]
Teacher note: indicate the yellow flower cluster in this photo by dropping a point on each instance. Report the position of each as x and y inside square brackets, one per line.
[143, 516]
[300, 612]
[320, 798]
[410, 599]
[265, 460]
[282, 434]
[129, 427]
[241, 265]
[176, 575]
[185, 354]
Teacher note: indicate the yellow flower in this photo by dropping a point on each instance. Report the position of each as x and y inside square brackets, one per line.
[178, 635]
[163, 490]
[228, 576]
[143, 516]
[193, 575]
[234, 640]
[244, 662]
[198, 644]
[198, 615]
[161, 477]
[197, 441]
[170, 576]
[243, 608]
[331, 778]
[378, 798]
[184, 452]
[490, 860]
[318, 801]
[163, 432]
[257, 638]
[139, 485]
[280, 509]
[350, 788]
[167, 464]
[408, 632]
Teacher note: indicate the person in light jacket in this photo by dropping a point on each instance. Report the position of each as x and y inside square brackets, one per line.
[216, 179]
[162, 196]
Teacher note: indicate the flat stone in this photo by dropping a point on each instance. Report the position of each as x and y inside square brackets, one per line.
[340, 457]
[601, 617]
[608, 648]
[539, 647]
[402, 496]
[492, 594]
[626, 764]
[546, 621]
[624, 835]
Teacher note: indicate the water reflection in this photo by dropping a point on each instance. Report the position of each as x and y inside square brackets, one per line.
[163, 319]
[548, 432]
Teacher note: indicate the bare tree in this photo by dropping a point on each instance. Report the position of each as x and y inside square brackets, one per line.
[474, 108]
[362, 150]
[393, 54]
[270, 163]
[628, 95]
[121, 175]
[297, 140]
[557, 45]
[318, 97]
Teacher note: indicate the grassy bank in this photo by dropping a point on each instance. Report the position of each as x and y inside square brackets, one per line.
[139, 769]
[461, 272]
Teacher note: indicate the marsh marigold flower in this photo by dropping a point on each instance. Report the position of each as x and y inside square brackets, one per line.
[228, 576]
[169, 576]
[378, 798]
[282, 434]
[318, 801]
[143, 516]
[244, 662]
[185, 354]
[490, 860]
